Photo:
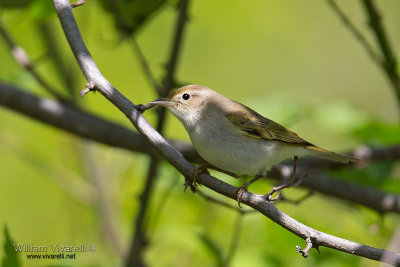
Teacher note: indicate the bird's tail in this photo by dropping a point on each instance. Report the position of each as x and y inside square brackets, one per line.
[323, 153]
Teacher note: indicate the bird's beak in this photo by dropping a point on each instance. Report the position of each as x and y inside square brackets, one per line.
[161, 102]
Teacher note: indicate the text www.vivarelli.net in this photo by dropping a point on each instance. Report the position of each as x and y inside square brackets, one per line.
[59, 251]
[51, 256]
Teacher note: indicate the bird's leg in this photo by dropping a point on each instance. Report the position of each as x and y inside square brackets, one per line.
[290, 183]
[192, 182]
[241, 190]
[202, 168]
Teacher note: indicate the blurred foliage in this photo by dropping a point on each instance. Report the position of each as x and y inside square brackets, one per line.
[130, 15]
[10, 258]
[14, 3]
[376, 174]
[38, 9]
[378, 133]
[270, 55]
[380, 174]
[213, 248]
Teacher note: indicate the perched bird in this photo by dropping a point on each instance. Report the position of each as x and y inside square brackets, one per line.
[235, 138]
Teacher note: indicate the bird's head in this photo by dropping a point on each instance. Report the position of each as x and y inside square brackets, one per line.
[187, 103]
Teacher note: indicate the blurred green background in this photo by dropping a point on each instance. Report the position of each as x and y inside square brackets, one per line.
[292, 61]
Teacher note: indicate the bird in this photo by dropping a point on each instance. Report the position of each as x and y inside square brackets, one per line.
[234, 138]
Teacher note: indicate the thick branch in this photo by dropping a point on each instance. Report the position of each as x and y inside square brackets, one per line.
[81, 123]
[93, 75]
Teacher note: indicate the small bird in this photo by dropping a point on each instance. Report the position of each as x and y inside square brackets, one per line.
[235, 138]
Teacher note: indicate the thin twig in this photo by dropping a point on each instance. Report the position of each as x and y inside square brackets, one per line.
[222, 203]
[169, 80]
[102, 203]
[64, 178]
[298, 200]
[158, 208]
[356, 33]
[289, 183]
[390, 62]
[68, 75]
[22, 58]
[78, 3]
[235, 240]
[145, 66]
[309, 246]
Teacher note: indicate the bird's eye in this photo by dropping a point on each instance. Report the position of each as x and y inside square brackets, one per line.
[185, 96]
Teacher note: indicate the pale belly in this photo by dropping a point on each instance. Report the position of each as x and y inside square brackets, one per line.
[241, 154]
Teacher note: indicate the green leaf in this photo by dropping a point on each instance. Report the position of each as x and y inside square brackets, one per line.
[130, 15]
[10, 258]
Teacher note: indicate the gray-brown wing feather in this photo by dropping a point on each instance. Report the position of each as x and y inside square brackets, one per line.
[254, 125]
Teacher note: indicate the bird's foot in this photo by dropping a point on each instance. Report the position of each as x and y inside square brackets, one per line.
[290, 183]
[192, 181]
[240, 191]
[243, 189]
[189, 183]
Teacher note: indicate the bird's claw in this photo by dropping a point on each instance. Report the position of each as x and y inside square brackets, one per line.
[192, 181]
[189, 183]
[269, 197]
[239, 193]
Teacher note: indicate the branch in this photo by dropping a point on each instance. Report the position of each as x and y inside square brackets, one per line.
[255, 201]
[145, 66]
[102, 204]
[357, 33]
[394, 245]
[76, 121]
[22, 58]
[222, 203]
[389, 64]
[65, 72]
[135, 257]
[83, 124]
[380, 201]
[235, 241]
[169, 80]
[63, 177]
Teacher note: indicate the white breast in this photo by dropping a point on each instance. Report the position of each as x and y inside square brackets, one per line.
[225, 147]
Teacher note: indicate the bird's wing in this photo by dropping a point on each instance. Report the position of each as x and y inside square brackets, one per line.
[254, 125]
